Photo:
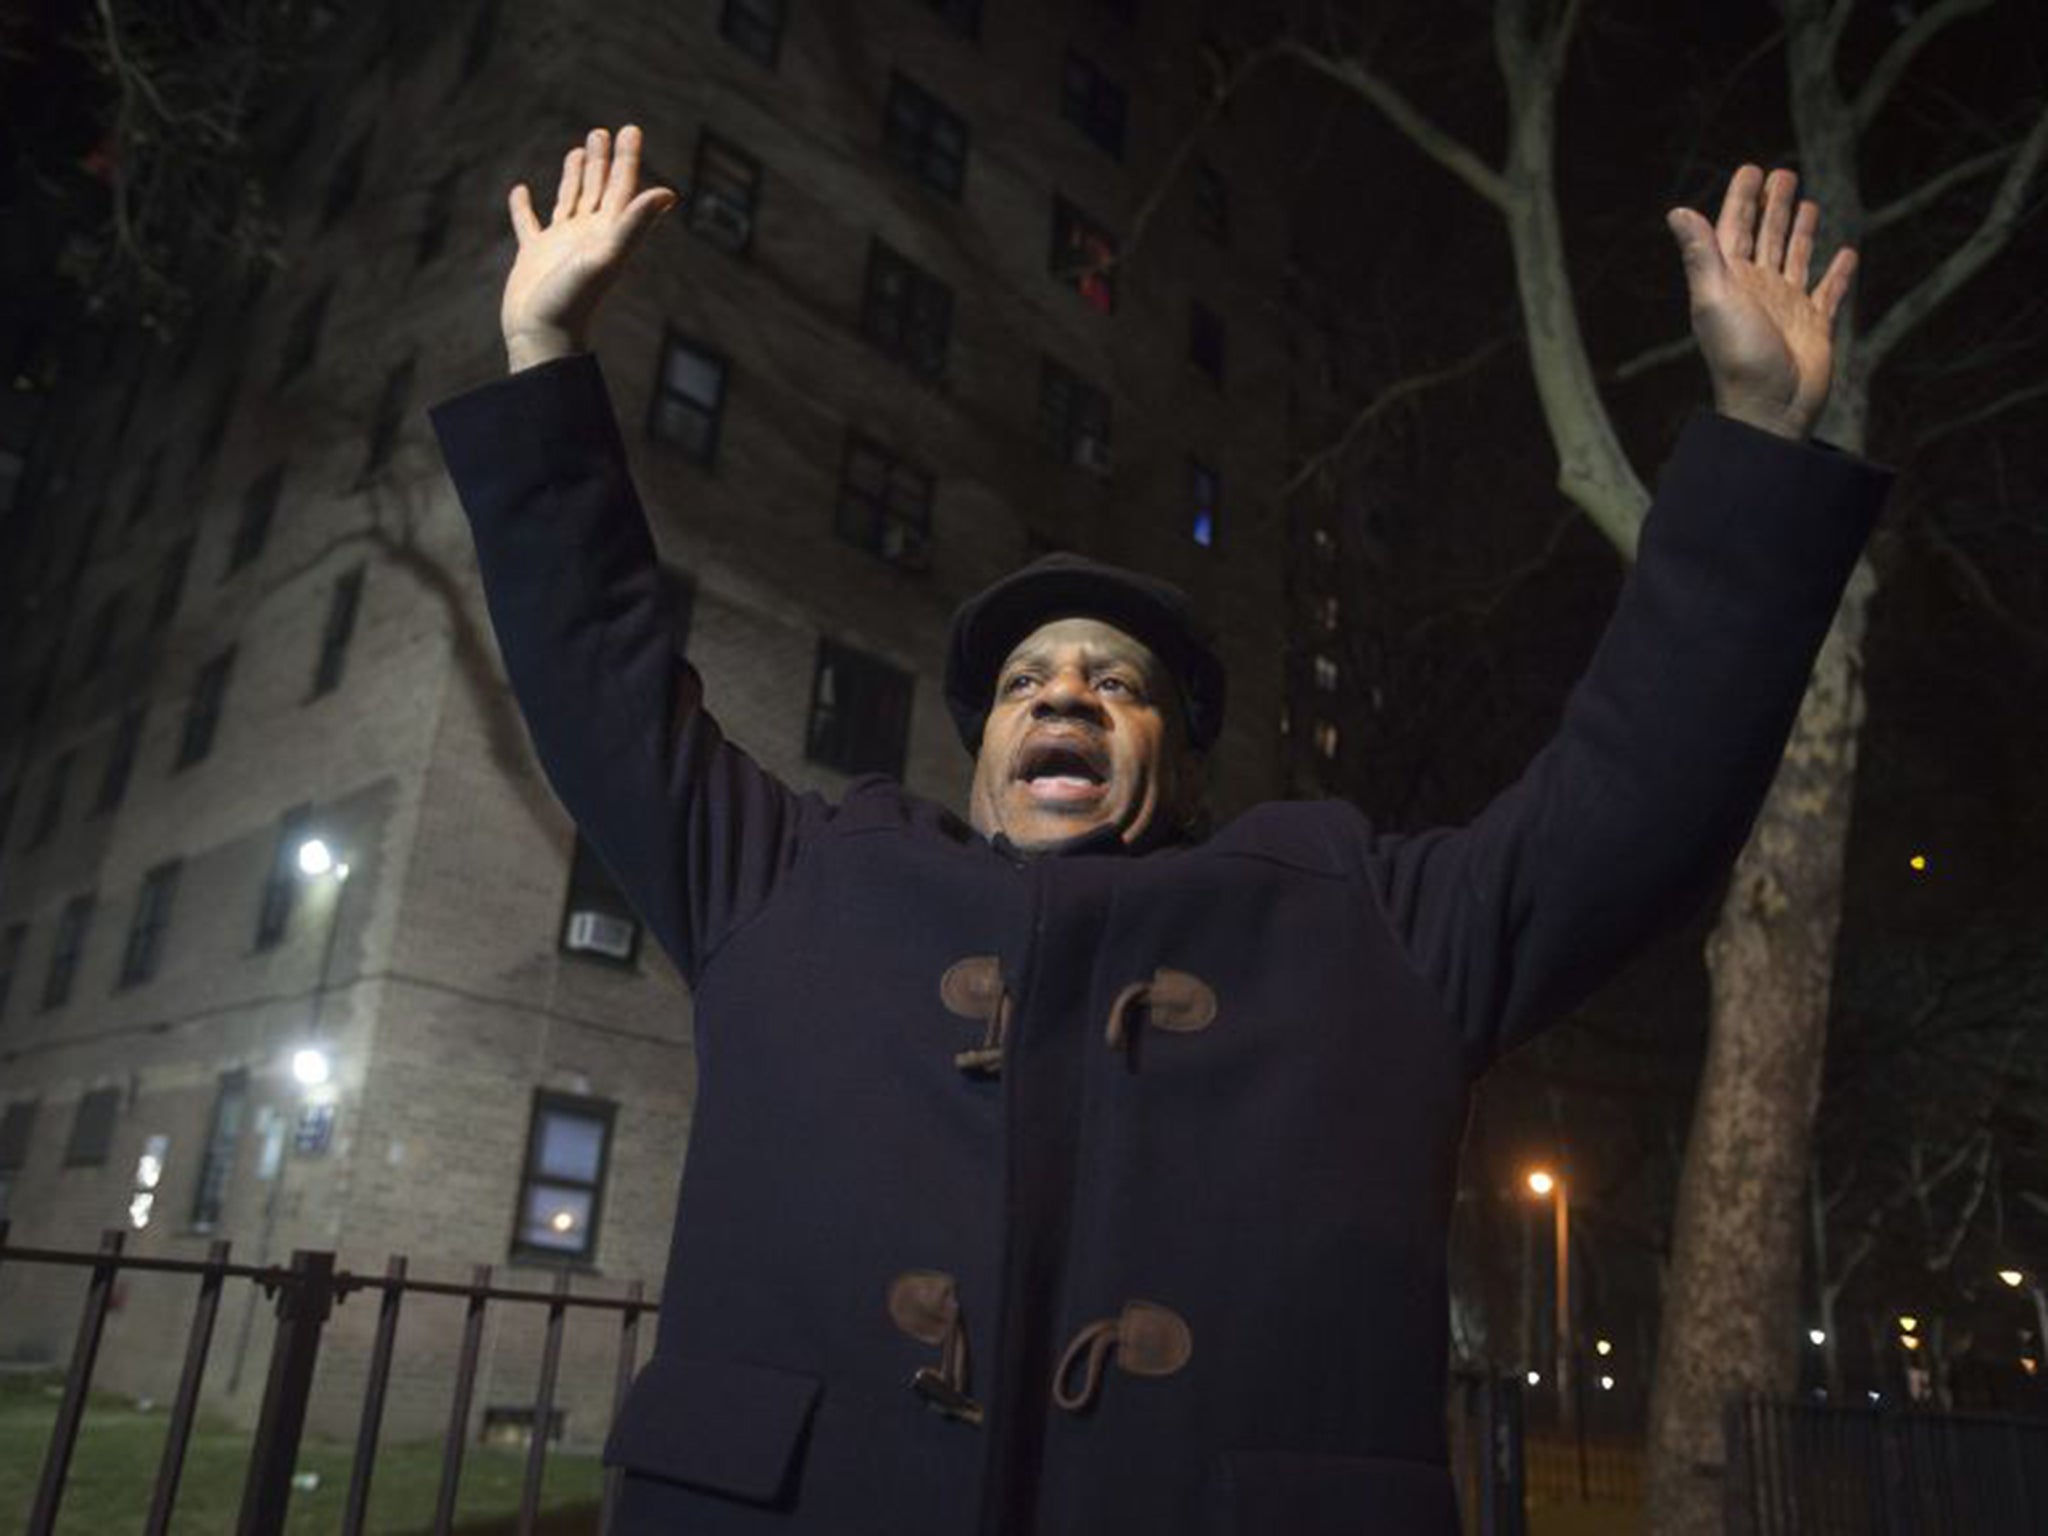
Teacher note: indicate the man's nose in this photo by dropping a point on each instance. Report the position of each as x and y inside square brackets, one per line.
[1066, 692]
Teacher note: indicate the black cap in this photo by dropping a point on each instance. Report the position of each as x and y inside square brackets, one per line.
[1063, 586]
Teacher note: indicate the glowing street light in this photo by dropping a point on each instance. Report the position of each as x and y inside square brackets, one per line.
[1816, 1337]
[1907, 1322]
[315, 857]
[1603, 1347]
[1535, 1378]
[1918, 863]
[1606, 1383]
[1909, 1341]
[1541, 1183]
[310, 1066]
[2013, 1277]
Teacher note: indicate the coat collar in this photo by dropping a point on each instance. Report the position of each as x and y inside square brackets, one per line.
[1098, 840]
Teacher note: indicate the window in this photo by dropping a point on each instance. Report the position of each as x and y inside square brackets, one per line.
[1204, 491]
[217, 1157]
[73, 923]
[725, 186]
[281, 884]
[885, 505]
[1323, 545]
[597, 919]
[1327, 614]
[964, 14]
[907, 312]
[390, 417]
[561, 1187]
[346, 181]
[145, 489]
[259, 507]
[1326, 740]
[52, 809]
[302, 341]
[16, 1126]
[92, 1129]
[202, 714]
[106, 623]
[689, 398]
[170, 586]
[1326, 674]
[1094, 103]
[120, 760]
[1205, 339]
[1212, 202]
[925, 137]
[1073, 417]
[440, 209]
[754, 27]
[860, 712]
[10, 959]
[1083, 256]
[146, 928]
[342, 606]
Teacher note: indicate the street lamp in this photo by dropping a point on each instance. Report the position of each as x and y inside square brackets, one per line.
[1542, 1183]
[2017, 1279]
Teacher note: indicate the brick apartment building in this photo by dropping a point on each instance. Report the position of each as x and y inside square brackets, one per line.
[873, 365]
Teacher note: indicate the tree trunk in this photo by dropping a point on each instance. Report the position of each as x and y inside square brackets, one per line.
[1731, 1315]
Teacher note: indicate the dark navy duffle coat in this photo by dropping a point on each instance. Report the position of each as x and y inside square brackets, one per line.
[1098, 1192]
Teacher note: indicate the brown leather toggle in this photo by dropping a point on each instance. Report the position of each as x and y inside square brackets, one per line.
[973, 989]
[924, 1304]
[1149, 1340]
[1177, 1001]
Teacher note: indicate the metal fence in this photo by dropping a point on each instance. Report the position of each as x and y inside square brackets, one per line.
[305, 1293]
[1812, 1469]
[1487, 1448]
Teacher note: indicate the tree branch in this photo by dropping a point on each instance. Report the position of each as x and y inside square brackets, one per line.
[1378, 406]
[1652, 357]
[1891, 64]
[1972, 575]
[1933, 189]
[2022, 395]
[1440, 145]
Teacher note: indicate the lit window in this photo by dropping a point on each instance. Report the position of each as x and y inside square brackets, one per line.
[1326, 674]
[561, 1187]
[1203, 495]
[689, 398]
[1326, 739]
[724, 188]
[1083, 256]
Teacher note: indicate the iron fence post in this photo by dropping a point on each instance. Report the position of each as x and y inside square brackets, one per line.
[92, 1320]
[304, 1301]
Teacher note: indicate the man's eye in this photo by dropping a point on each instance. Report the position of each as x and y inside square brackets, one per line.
[1122, 685]
[1018, 683]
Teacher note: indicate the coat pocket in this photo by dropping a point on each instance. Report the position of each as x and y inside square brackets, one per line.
[1287, 1493]
[721, 1425]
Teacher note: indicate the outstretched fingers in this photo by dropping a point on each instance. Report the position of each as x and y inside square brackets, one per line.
[1735, 229]
[572, 178]
[524, 224]
[625, 172]
[1834, 283]
[1780, 188]
[1799, 254]
[596, 162]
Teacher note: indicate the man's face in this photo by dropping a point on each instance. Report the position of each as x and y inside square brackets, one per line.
[1084, 732]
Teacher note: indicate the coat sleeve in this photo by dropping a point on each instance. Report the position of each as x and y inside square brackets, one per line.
[1635, 809]
[695, 831]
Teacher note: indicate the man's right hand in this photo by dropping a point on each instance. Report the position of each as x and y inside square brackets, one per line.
[565, 268]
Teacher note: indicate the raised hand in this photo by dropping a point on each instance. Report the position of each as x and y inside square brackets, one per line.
[1764, 334]
[565, 267]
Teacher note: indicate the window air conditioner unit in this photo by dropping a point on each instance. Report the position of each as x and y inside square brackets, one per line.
[1092, 453]
[599, 933]
[721, 222]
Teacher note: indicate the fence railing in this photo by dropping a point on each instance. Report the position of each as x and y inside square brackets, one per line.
[305, 1293]
[1815, 1469]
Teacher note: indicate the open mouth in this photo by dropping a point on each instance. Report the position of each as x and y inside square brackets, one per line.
[1063, 770]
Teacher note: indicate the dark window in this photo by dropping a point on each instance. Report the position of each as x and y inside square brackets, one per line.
[302, 341]
[907, 312]
[217, 1158]
[216, 430]
[16, 1126]
[1083, 256]
[146, 927]
[925, 137]
[440, 209]
[120, 759]
[754, 27]
[1204, 492]
[259, 508]
[1212, 202]
[483, 31]
[73, 923]
[145, 489]
[51, 810]
[390, 417]
[689, 398]
[170, 585]
[1073, 417]
[106, 623]
[597, 920]
[725, 187]
[341, 625]
[1205, 339]
[281, 884]
[561, 1186]
[964, 14]
[885, 505]
[10, 959]
[1094, 103]
[860, 712]
[346, 181]
[202, 714]
[92, 1129]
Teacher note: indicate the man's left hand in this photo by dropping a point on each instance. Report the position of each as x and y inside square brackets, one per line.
[1764, 334]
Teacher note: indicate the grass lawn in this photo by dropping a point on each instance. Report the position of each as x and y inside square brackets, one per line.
[113, 1472]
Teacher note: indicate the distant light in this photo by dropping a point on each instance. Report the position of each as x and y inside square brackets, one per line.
[315, 857]
[2029, 1364]
[1205, 529]
[1816, 1337]
[563, 1221]
[1541, 1183]
[1602, 1347]
[1535, 1378]
[2012, 1277]
[1908, 1322]
[149, 1171]
[310, 1066]
[1918, 863]
[139, 1209]
[341, 871]
[1606, 1383]
[1877, 1397]
[1909, 1341]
